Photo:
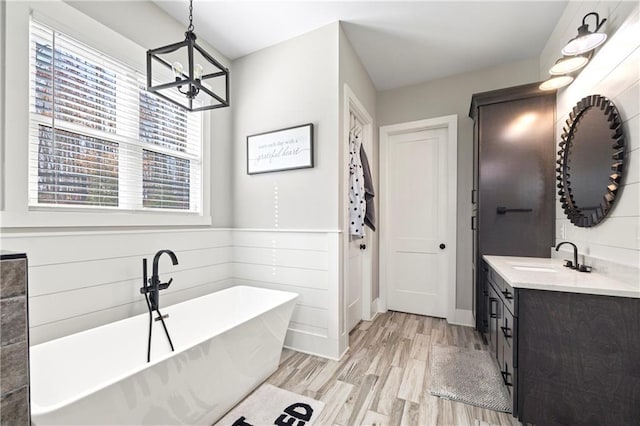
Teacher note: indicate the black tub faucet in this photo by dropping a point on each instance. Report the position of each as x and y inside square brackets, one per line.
[151, 291]
[573, 265]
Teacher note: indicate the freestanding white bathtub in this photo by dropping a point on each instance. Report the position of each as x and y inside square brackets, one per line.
[226, 344]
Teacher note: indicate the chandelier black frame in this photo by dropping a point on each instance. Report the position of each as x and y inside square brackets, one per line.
[190, 80]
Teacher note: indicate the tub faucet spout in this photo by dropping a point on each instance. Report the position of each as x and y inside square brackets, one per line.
[156, 285]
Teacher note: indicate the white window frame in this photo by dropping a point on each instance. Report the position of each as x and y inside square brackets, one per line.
[16, 212]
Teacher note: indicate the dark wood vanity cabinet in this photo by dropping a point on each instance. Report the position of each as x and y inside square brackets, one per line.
[502, 331]
[566, 358]
[514, 183]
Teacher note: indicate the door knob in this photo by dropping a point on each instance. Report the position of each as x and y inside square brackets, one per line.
[442, 246]
[363, 246]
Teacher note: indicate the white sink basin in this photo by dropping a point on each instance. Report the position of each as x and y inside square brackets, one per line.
[533, 268]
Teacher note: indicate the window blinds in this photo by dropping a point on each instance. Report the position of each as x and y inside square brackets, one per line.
[99, 140]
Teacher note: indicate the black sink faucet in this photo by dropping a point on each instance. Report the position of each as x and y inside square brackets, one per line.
[575, 255]
[155, 284]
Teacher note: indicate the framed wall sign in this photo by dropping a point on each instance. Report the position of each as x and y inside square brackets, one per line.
[285, 149]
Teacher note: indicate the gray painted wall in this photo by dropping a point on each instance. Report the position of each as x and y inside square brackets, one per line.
[353, 73]
[289, 84]
[452, 95]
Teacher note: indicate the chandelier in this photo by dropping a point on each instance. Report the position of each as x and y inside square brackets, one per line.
[186, 75]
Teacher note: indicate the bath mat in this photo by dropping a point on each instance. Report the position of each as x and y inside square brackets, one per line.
[469, 376]
[269, 405]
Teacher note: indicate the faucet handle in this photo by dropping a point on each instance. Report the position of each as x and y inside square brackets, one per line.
[163, 286]
[584, 268]
[569, 264]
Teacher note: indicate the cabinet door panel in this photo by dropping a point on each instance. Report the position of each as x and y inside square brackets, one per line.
[495, 316]
[516, 171]
[493, 323]
[573, 350]
[507, 335]
[499, 336]
[508, 376]
[485, 307]
[482, 315]
[507, 330]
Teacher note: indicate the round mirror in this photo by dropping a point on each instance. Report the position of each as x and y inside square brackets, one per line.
[591, 160]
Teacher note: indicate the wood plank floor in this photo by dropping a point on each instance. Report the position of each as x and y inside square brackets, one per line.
[384, 378]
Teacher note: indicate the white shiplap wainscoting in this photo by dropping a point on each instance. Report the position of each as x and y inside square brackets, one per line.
[304, 262]
[80, 280]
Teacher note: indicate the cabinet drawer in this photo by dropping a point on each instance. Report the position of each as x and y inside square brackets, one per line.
[508, 372]
[507, 345]
[508, 296]
[507, 328]
[505, 290]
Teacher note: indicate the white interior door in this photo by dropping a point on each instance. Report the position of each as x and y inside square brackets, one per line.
[416, 210]
[360, 260]
[354, 285]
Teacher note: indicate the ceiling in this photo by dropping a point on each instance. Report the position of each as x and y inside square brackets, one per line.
[400, 43]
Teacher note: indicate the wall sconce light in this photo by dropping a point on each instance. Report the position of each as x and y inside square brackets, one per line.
[586, 40]
[557, 82]
[576, 54]
[568, 64]
[204, 77]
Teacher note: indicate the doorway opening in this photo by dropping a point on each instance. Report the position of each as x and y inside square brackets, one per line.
[357, 249]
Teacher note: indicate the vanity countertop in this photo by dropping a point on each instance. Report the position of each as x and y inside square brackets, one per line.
[539, 273]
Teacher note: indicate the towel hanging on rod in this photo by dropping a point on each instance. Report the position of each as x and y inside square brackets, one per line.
[357, 202]
[369, 191]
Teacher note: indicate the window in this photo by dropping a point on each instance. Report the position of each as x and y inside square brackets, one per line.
[98, 139]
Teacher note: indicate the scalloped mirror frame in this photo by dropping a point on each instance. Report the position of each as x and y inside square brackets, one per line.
[610, 112]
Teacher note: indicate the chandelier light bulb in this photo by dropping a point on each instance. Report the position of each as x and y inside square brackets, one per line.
[197, 72]
[177, 70]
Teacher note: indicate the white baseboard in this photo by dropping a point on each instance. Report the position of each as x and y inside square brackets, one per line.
[377, 308]
[312, 344]
[462, 317]
[373, 318]
[312, 353]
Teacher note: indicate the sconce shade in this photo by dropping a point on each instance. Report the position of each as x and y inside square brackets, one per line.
[556, 82]
[584, 44]
[586, 40]
[568, 65]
